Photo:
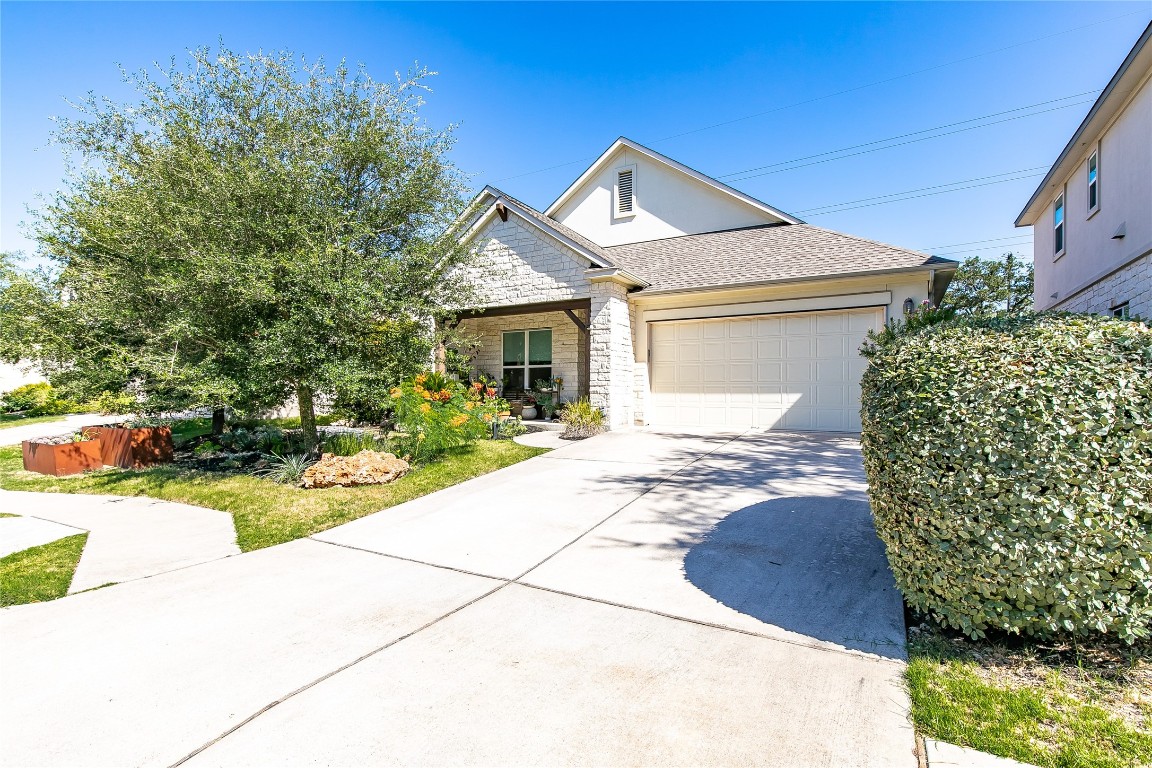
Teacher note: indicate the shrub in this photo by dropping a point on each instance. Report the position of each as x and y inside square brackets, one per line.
[351, 443]
[510, 428]
[1009, 462]
[114, 402]
[437, 413]
[581, 420]
[37, 400]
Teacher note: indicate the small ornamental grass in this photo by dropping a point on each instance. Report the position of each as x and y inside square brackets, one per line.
[581, 420]
[1009, 463]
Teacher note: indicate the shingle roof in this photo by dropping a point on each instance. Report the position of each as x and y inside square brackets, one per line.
[762, 254]
[551, 223]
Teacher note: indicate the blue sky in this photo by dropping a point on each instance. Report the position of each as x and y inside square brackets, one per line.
[720, 87]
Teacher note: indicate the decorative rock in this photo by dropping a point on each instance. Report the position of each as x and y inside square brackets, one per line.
[365, 468]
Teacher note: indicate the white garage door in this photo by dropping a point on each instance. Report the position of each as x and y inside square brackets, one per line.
[797, 371]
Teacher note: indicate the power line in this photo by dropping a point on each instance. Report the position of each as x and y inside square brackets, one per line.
[906, 135]
[841, 92]
[975, 250]
[973, 242]
[893, 78]
[868, 202]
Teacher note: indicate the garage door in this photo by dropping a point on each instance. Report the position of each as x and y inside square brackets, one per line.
[796, 371]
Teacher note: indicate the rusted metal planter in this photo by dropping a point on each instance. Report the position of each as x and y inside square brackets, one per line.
[133, 448]
[63, 459]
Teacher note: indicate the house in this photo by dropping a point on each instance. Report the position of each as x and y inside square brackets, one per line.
[672, 299]
[1092, 213]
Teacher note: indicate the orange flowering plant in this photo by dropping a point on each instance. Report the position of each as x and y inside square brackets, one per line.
[438, 413]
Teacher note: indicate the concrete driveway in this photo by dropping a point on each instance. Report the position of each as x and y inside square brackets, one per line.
[641, 598]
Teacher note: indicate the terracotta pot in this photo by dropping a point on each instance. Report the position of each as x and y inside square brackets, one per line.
[135, 448]
[66, 459]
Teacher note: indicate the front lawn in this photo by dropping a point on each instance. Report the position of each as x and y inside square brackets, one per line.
[18, 420]
[267, 513]
[1060, 705]
[40, 573]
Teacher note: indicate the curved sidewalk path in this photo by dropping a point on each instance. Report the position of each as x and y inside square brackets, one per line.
[129, 537]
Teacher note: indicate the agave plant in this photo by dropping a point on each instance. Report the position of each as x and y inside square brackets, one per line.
[287, 469]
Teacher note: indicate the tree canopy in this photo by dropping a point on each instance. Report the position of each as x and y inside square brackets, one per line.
[254, 226]
[982, 286]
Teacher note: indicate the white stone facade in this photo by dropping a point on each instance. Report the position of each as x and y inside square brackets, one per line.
[612, 358]
[566, 344]
[518, 264]
[1132, 284]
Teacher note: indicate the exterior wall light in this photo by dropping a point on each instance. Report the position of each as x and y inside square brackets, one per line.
[909, 305]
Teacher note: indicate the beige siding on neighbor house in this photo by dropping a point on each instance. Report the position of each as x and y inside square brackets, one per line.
[1091, 254]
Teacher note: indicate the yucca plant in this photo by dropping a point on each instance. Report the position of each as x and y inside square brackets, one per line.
[288, 469]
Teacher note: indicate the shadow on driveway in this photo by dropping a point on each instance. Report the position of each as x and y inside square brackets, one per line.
[810, 565]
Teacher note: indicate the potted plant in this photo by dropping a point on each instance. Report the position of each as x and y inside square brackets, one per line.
[65, 455]
[529, 411]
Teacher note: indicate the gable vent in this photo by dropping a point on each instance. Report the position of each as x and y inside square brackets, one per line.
[624, 191]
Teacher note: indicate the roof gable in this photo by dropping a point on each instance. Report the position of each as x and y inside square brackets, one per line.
[670, 199]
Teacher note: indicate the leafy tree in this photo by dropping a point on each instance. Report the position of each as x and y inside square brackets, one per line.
[254, 227]
[991, 285]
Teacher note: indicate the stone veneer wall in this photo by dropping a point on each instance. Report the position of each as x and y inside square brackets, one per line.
[1133, 284]
[517, 265]
[566, 343]
[613, 360]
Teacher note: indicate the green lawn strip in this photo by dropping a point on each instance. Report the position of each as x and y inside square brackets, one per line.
[264, 512]
[13, 420]
[8, 514]
[40, 573]
[1051, 723]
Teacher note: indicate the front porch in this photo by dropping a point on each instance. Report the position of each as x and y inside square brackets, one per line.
[523, 344]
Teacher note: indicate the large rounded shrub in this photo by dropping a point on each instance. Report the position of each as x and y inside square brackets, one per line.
[1009, 463]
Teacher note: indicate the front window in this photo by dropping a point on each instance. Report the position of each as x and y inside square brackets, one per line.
[1120, 312]
[527, 358]
[1058, 226]
[1093, 182]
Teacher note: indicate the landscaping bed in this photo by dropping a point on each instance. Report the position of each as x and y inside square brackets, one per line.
[266, 512]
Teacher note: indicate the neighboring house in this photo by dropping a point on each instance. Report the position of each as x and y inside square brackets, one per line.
[13, 376]
[1092, 214]
[672, 299]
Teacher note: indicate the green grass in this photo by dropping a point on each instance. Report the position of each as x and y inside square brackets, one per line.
[1072, 706]
[40, 573]
[266, 513]
[15, 420]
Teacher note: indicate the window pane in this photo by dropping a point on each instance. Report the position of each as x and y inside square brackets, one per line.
[539, 374]
[513, 379]
[539, 347]
[1092, 168]
[514, 348]
[1092, 195]
[1059, 215]
[1059, 243]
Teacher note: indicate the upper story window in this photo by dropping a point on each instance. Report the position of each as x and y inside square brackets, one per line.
[1058, 227]
[624, 193]
[1094, 182]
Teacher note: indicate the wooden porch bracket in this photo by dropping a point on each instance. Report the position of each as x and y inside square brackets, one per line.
[502, 211]
[575, 319]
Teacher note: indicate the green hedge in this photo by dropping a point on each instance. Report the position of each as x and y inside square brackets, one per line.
[1009, 462]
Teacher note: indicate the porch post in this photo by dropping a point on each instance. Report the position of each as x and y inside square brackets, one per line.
[610, 352]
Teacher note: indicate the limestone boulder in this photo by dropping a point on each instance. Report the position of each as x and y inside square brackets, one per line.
[365, 468]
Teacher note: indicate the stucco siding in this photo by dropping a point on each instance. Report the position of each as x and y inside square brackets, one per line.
[667, 204]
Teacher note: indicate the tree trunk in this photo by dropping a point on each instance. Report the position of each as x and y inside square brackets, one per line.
[307, 414]
[218, 421]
